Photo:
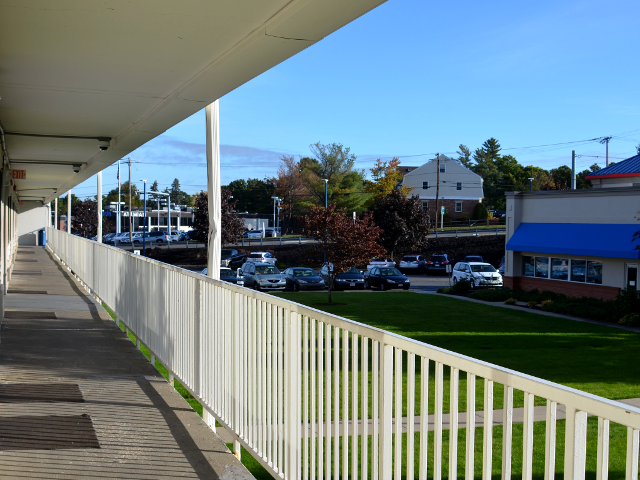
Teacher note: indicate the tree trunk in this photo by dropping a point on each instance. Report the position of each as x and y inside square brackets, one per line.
[330, 287]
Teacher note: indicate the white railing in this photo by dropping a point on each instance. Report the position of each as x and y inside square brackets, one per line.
[295, 384]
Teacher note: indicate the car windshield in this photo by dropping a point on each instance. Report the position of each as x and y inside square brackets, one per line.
[389, 272]
[255, 255]
[225, 253]
[226, 273]
[482, 268]
[349, 275]
[307, 272]
[266, 270]
[473, 258]
[437, 258]
[409, 259]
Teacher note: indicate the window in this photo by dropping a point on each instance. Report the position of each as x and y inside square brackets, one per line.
[542, 267]
[527, 266]
[459, 186]
[560, 269]
[458, 207]
[594, 272]
[443, 168]
[425, 185]
[425, 205]
[578, 270]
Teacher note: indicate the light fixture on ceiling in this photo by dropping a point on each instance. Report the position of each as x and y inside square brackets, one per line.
[76, 168]
[103, 145]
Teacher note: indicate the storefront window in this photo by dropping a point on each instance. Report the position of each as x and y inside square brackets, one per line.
[560, 269]
[578, 270]
[594, 272]
[527, 266]
[542, 267]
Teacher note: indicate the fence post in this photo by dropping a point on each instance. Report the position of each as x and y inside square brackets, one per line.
[280, 240]
[385, 452]
[299, 240]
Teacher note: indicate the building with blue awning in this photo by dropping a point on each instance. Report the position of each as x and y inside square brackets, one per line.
[575, 242]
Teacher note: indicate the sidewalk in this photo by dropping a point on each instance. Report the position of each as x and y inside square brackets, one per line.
[78, 400]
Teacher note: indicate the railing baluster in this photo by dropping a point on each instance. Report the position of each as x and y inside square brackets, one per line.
[305, 398]
[632, 454]
[345, 403]
[487, 447]
[469, 470]
[313, 348]
[327, 415]
[336, 403]
[364, 376]
[437, 430]
[375, 411]
[411, 400]
[320, 354]
[507, 432]
[269, 388]
[424, 417]
[354, 406]
[265, 403]
[527, 437]
[385, 457]
[602, 469]
[281, 367]
[550, 441]
[397, 459]
[575, 448]
[454, 384]
[288, 404]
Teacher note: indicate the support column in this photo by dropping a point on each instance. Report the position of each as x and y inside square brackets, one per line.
[213, 189]
[55, 215]
[99, 207]
[69, 212]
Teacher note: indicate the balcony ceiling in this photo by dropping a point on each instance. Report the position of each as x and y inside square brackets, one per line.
[129, 70]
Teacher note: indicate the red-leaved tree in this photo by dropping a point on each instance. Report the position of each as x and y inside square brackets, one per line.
[346, 243]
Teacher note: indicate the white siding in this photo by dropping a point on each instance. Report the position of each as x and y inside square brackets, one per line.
[455, 173]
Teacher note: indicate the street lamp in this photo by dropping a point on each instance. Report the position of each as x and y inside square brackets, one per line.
[275, 199]
[326, 183]
[531, 184]
[144, 233]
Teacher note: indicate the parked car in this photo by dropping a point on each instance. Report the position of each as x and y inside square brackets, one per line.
[385, 278]
[299, 278]
[350, 280]
[261, 257]
[108, 238]
[381, 262]
[252, 234]
[325, 271]
[232, 259]
[122, 237]
[174, 237]
[262, 276]
[438, 263]
[473, 258]
[412, 263]
[501, 266]
[272, 232]
[478, 273]
[227, 275]
[499, 214]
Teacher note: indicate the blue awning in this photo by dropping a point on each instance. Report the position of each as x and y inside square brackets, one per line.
[584, 239]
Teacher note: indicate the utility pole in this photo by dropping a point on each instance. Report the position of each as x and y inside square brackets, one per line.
[605, 140]
[130, 216]
[437, 188]
[573, 169]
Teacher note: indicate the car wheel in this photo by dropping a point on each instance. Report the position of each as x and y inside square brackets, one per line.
[256, 286]
[296, 287]
[383, 287]
[366, 285]
[455, 280]
[405, 287]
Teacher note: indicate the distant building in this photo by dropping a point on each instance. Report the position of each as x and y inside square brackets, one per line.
[404, 170]
[622, 174]
[575, 242]
[460, 188]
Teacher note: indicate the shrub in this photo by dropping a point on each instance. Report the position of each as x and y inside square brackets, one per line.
[546, 304]
[444, 290]
[462, 286]
[480, 212]
[627, 302]
[532, 304]
[492, 295]
[511, 301]
[631, 320]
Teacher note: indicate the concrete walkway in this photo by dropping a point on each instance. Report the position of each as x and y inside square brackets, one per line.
[78, 400]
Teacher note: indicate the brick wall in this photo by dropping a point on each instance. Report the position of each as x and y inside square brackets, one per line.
[570, 289]
[450, 207]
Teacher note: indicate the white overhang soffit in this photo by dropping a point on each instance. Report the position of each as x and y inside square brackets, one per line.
[81, 75]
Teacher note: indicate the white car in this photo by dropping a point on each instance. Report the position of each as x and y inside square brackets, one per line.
[253, 234]
[381, 262]
[265, 257]
[478, 273]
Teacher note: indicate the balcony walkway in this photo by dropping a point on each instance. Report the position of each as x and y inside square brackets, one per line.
[78, 400]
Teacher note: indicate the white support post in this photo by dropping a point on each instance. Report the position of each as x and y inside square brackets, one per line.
[55, 215]
[385, 456]
[69, 212]
[213, 189]
[99, 207]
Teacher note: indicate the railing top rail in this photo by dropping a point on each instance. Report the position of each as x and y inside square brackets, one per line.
[610, 409]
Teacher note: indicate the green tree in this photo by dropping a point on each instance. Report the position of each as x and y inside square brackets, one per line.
[480, 212]
[334, 163]
[177, 196]
[253, 195]
[387, 177]
[487, 165]
[232, 226]
[154, 186]
[464, 156]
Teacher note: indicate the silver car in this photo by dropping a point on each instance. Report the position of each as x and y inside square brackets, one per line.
[479, 274]
[262, 276]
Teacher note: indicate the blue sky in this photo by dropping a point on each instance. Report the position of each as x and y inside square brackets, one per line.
[415, 77]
